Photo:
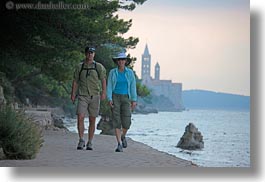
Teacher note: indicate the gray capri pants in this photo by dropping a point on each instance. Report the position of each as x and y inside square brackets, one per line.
[121, 112]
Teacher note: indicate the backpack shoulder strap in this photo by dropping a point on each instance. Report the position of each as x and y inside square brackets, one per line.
[95, 65]
[82, 67]
[95, 68]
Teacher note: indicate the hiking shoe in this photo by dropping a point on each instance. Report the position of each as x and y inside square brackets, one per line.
[124, 141]
[89, 146]
[119, 148]
[81, 144]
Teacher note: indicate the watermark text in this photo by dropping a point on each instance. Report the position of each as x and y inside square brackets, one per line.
[10, 5]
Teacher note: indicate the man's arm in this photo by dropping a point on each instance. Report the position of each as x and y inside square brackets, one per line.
[103, 94]
[73, 93]
[103, 81]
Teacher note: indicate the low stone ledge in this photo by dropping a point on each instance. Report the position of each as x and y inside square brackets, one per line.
[42, 118]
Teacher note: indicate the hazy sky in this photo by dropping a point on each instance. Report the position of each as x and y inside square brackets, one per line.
[203, 44]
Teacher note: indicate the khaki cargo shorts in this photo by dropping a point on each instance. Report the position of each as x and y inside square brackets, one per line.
[121, 111]
[88, 105]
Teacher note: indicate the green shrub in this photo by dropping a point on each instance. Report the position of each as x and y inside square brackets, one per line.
[20, 137]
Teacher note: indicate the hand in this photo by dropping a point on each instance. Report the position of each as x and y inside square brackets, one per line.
[103, 96]
[133, 105]
[111, 104]
[73, 98]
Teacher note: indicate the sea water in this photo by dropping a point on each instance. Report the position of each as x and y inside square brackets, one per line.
[226, 135]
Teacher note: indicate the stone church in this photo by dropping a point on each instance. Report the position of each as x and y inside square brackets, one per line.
[172, 92]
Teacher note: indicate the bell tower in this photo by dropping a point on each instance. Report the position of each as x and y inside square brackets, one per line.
[157, 72]
[146, 64]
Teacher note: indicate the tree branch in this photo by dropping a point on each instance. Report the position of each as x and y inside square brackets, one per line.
[29, 76]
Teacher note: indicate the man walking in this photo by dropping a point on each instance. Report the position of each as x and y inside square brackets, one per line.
[90, 82]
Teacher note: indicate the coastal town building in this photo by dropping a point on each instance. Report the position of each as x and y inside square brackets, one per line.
[161, 88]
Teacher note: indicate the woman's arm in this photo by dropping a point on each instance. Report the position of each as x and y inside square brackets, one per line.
[133, 87]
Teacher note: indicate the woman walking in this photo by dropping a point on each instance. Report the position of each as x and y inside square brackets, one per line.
[122, 97]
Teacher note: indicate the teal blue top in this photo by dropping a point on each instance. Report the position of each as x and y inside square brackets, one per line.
[121, 85]
[131, 83]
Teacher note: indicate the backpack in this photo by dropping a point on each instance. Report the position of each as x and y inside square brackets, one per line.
[88, 69]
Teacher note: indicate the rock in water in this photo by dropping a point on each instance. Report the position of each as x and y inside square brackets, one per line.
[191, 139]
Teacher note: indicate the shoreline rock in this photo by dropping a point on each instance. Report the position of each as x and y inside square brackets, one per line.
[143, 109]
[106, 126]
[46, 119]
[192, 138]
